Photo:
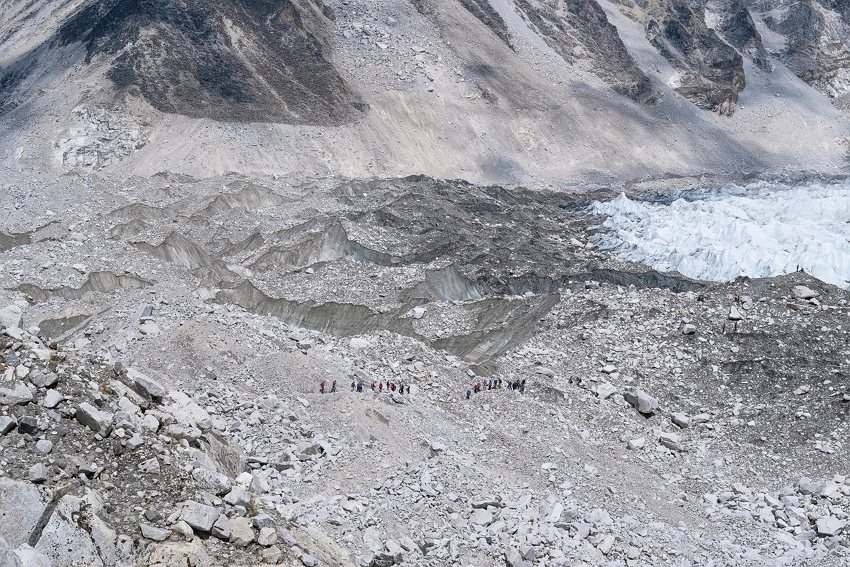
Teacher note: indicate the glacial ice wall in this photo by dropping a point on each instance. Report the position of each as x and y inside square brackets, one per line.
[758, 231]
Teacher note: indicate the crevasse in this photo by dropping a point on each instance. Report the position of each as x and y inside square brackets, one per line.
[757, 231]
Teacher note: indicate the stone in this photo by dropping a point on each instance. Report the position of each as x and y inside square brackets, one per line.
[44, 446]
[17, 394]
[803, 292]
[309, 561]
[640, 400]
[271, 555]
[605, 390]
[183, 530]
[38, 473]
[96, 420]
[359, 344]
[28, 425]
[154, 388]
[43, 379]
[151, 466]
[681, 419]
[21, 507]
[200, 516]
[609, 369]
[82, 268]
[153, 532]
[241, 532]
[7, 424]
[418, 312]
[734, 314]
[135, 441]
[635, 444]
[372, 540]
[267, 537]
[484, 502]
[514, 559]
[221, 528]
[51, 399]
[481, 517]
[212, 481]
[808, 486]
[606, 544]
[180, 554]
[187, 432]
[263, 520]
[671, 441]
[238, 496]
[830, 525]
[689, 329]
[12, 316]
[545, 371]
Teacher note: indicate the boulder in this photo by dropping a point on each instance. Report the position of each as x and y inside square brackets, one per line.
[635, 444]
[481, 517]
[734, 314]
[153, 532]
[641, 401]
[51, 399]
[689, 329]
[803, 292]
[212, 481]
[154, 388]
[830, 525]
[241, 532]
[12, 316]
[671, 441]
[39, 473]
[681, 419]
[221, 528]
[16, 394]
[267, 537]
[180, 554]
[200, 516]
[7, 424]
[96, 420]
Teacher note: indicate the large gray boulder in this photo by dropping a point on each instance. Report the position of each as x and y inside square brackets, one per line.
[15, 394]
[200, 516]
[641, 401]
[21, 506]
[96, 420]
[11, 316]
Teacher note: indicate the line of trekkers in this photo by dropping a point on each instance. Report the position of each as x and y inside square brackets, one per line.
[496, 385]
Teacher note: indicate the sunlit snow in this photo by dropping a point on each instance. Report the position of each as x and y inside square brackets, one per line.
[757, 231]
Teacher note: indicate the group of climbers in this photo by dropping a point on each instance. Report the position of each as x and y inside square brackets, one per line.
[496, 385]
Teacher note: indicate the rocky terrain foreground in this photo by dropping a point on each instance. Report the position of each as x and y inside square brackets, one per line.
[164, 340]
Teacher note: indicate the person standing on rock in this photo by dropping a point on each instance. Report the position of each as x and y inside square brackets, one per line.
[381, 387]
[468, 393]
[333, 386]
[724, 329]
[360, 386]
[353, 385]
[322, 387]
[522, 387]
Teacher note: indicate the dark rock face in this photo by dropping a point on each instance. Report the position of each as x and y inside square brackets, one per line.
[231, 60]
[482, 10]
[581, 27]
[736, 26]
[712, 71]
[815, 48]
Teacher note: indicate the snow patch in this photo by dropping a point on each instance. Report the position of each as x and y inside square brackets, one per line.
[761, 230]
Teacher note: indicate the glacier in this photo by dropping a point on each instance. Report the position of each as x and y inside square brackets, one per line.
[759, 230]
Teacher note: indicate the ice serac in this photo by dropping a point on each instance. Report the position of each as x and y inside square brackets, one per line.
[223, 59]
[758, 231]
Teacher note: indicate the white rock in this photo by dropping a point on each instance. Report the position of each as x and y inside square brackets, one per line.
[12, 316]
[635, 444]
[803, 292]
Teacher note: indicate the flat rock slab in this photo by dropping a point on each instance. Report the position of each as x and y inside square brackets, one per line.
[21, 506]
[15, 394]
[200, 516]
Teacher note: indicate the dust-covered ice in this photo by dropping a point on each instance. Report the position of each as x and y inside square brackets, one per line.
[758, 231]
